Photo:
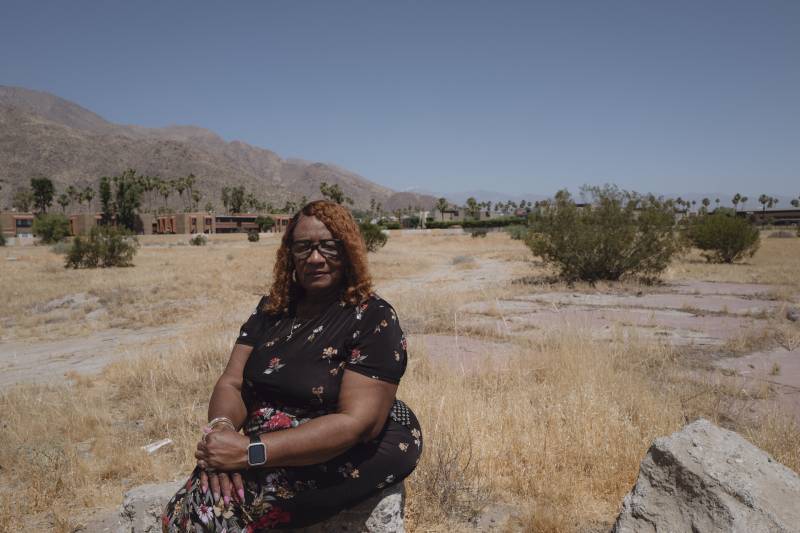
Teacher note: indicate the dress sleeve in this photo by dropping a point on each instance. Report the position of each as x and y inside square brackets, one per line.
[378, 349]
[251, 329]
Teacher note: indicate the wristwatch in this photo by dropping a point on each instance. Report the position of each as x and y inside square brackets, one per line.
[256, 452]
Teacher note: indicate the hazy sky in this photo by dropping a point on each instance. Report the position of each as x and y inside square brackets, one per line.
[678, 96]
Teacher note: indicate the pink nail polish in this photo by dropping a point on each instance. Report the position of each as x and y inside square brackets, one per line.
[241, 494]
[227, 500]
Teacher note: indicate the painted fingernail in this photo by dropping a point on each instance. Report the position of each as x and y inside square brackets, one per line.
[240, 492]
[216, 497]
[205, 488]
[227, 499]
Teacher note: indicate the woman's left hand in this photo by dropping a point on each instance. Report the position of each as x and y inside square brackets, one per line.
[224, 450]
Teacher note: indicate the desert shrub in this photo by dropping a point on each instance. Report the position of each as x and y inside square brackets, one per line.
[497, 222]
[265, 223]
[105, 246]
[391, 225]
[723, 238]
[374, 237]
[198, 240]
[518, 232]
[618, 233]
[252, 236]
[51, 228]
[478, 233]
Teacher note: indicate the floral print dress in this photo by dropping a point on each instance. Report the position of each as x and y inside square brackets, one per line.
[293, 375]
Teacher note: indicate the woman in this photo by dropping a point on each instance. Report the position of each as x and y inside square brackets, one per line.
[311, 381]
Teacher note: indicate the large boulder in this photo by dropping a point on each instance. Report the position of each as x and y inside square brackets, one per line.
[706, 479]
[142, 506]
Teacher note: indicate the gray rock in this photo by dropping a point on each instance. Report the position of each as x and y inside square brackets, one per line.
[142, 506]
[793, 314]
[708, 479]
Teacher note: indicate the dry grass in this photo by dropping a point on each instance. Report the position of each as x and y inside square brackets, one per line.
[770, 265]
[557, 430]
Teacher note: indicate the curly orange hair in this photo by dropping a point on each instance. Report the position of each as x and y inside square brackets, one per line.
[339, 221]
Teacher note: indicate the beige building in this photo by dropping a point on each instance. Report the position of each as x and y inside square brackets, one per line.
[15, 224]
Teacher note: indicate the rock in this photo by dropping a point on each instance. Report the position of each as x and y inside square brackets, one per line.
[793, 314]
[707, 479]
[383, 513]
[142, 506]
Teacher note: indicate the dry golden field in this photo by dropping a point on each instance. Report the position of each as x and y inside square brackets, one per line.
[548, 435]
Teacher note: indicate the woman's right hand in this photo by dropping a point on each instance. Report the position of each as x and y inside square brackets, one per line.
[224, 485]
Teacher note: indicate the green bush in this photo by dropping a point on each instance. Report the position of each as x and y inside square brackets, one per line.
[723, 238]
[618, 233]
[252, 236]
[105, 246]
[374, 237]
[518, 232]
[497, 222]
[265, 223]
[391, 225]
[51, 228]
[478, 233]
[198, 240]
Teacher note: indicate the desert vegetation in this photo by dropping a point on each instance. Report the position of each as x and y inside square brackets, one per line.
[616, 234]
[723, 237]
[551, 426]
[105, 246]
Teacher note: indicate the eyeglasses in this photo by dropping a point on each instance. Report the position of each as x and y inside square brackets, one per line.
[328, 248]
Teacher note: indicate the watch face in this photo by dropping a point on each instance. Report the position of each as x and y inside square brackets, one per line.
[257, 454]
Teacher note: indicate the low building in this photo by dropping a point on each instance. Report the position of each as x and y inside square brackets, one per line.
[181, 223]
[777, 217]
[83, 223]
[14, 224]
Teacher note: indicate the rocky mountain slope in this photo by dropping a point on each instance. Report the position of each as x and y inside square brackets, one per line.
[44, 135]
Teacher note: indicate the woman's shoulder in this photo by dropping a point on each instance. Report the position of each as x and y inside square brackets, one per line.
[374, 306]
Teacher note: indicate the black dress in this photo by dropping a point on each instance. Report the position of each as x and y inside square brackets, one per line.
[293, 375]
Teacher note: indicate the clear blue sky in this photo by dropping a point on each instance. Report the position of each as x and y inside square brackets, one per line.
[678, 96]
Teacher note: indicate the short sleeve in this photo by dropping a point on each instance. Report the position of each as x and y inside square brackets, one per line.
[378, 349]
[251, 329]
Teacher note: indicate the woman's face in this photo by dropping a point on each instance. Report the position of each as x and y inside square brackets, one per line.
[319, 273]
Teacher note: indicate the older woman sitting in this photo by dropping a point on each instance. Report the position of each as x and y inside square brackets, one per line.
[311, 381]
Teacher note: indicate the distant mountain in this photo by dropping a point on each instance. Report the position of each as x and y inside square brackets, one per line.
[44, 135]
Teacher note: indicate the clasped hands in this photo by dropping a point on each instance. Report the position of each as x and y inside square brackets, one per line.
[221, 455]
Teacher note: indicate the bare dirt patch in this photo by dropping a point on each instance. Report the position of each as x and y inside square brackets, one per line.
[779, 369]
[51, 361]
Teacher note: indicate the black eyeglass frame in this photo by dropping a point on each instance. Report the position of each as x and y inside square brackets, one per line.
[315, 245]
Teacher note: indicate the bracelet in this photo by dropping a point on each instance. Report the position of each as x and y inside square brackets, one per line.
[222, 420]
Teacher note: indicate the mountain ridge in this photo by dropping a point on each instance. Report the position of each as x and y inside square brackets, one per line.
[43, 134]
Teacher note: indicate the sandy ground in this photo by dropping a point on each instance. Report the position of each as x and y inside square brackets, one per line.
[700, 315]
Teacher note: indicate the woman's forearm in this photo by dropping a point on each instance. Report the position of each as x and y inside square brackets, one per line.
[226, 400]
[316, 441]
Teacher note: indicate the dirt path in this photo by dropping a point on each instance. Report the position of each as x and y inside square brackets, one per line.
[49, 361]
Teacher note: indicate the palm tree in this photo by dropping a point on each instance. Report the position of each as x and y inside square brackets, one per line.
[441, 206]
[165, 190]
[63, 200]
[472, 207]
[764, 200]
[737, 198]
[88, 195]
